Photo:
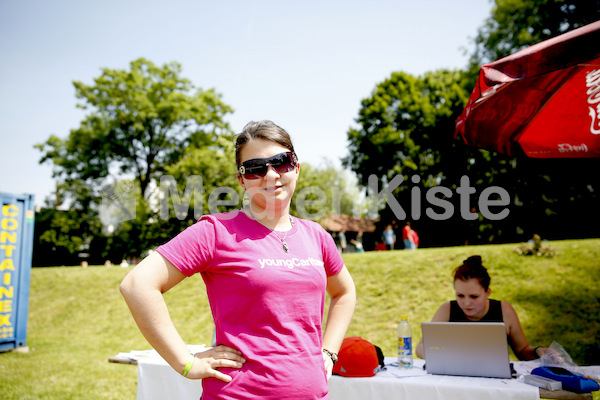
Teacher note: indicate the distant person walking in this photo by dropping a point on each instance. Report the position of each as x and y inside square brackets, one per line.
[358, 242]
[389, 237]
[409, 237]
[415, 239]
[343, 241]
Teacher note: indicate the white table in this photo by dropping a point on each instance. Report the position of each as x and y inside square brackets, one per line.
[157, 380]
[417, 384]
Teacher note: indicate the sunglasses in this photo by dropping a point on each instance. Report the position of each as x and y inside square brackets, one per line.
[257, 168]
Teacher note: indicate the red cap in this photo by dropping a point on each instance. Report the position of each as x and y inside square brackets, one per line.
[357, 358]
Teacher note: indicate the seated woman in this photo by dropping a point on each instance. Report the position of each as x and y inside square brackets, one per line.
[472, 304]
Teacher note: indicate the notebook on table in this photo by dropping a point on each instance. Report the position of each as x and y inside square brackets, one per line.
[466, 349]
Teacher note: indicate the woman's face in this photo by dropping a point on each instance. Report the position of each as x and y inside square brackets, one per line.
[472, 298]
[273, 191]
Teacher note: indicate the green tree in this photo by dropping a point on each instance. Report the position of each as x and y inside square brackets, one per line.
[204, 181]
[208, 172]
[140, 121]
[62, 234]
[326, 189]
[405, 129]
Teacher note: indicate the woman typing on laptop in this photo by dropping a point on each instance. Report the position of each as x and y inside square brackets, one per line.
[472, 304]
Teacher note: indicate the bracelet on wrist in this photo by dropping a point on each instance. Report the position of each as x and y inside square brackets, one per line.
[535, 351]
[188, 365]
[332, 355]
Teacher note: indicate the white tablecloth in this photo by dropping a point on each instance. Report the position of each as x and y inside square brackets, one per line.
[157, 380]
[417, 384]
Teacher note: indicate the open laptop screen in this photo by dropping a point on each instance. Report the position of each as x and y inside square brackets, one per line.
[466, 349]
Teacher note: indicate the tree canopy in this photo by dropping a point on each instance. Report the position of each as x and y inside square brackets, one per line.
[139, 121]
[405, 130]
[326, 189]
[139, 125]
[405, 126]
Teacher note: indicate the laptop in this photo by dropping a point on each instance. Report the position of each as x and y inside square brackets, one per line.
[466, 349]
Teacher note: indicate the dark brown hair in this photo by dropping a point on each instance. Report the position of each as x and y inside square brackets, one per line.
[472, 268]
[265, 130]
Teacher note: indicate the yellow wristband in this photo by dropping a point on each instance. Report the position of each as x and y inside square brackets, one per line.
[188, 365]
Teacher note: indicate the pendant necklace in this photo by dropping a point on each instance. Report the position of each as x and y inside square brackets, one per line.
[286, 248]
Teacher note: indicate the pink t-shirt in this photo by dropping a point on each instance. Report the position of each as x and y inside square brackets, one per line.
[265, 302]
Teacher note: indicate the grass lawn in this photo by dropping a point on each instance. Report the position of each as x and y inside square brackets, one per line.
[77, 318]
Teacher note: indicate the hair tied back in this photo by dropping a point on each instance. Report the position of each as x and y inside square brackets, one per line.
[473, 260]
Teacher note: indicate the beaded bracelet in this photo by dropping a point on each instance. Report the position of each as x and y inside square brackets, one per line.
[188, 365]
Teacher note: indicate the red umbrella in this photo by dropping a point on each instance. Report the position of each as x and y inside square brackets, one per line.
[545, 99]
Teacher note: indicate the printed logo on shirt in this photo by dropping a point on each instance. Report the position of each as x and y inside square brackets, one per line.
[290, 263]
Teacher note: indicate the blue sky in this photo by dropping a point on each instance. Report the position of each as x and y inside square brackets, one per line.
[304, 64]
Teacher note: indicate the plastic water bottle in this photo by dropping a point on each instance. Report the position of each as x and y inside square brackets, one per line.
[405, 357]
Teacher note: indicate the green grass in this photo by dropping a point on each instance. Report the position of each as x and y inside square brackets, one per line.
[77, 318]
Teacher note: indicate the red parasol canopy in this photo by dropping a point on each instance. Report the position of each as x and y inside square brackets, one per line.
[545, 99]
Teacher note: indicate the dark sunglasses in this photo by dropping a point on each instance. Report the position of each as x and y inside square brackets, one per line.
[257, 168]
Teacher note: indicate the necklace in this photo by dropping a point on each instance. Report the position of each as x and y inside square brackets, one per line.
[286, 248]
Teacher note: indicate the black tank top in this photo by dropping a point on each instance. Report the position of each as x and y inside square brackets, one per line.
[494, 314]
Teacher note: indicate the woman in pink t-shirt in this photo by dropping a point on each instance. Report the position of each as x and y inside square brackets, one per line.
[266, 275]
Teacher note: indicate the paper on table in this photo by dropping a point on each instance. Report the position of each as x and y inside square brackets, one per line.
[138, 355]
[392, 370]
[153, 354]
